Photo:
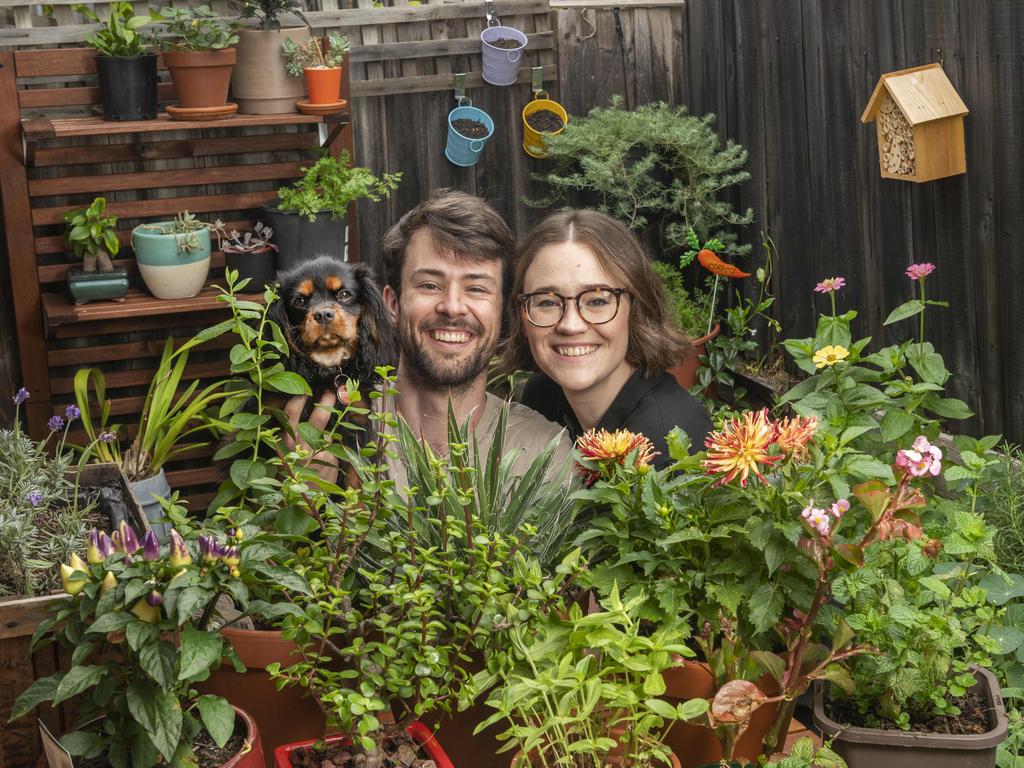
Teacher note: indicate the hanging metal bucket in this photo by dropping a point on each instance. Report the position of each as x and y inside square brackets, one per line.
[501, 65]
[462, 150]
[533, 141]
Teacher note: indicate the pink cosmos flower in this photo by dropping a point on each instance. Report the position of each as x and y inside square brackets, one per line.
[921, 459]
[830, 285]
[920, 271]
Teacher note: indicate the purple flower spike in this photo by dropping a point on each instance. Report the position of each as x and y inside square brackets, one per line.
[35, 498]
[155, 599]
[56, 423]
[107, 437]
[129, 539]
[71, 413]
[150, 546]
[20, 396]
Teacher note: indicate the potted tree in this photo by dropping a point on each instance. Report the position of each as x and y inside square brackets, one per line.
[258, 83]
[198, 52]
[309, 217]
[251, 254]
[319, 60]
[126, 69]
[140, 629]
[173, 256]
[93, 237]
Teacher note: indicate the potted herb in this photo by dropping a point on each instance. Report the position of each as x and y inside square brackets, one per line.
[173, 256]
[93, 237]
[319, 60]
[198, 52]
[250, 254]
[586, 690]
[140, 626]
[126, 69]
[258, 83]
[309, 217]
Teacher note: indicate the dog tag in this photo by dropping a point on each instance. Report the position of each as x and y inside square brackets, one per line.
[343, 396]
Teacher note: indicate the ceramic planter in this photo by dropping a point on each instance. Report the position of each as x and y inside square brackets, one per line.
[96, 286]
[257, 692]
[323, 84]
[417, 732]
[872, 747]
[128, 86]
[259, 82]
[299, 240]
[147, 494]
[201, 78]
[170, 270]
[686, 371]
[259, 266]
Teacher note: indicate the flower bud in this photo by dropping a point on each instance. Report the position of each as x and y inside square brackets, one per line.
[150, 546]
[73, 582]
[109, 582]
[179, 553]
[239, 536]
[146, 612]
[155, 599]
[235, 573]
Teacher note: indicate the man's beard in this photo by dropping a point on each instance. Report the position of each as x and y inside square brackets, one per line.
[440, 373]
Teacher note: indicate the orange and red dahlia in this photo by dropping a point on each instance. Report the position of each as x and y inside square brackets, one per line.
[600, 450]
[793, 435]
[741, 446]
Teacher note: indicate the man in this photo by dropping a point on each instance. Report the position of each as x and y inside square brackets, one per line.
[446, 266]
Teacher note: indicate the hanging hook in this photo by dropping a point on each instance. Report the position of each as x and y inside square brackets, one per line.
[492, 20]
[459, 83]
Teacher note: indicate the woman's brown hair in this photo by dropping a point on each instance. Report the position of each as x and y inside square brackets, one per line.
[655, 341]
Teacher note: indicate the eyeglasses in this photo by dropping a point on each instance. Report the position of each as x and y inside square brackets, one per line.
[596, 306]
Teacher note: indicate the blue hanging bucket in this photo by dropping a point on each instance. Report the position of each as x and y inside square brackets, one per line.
[501, 65]
[462, 150]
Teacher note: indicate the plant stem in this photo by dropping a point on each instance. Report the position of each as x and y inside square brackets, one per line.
[921, 318]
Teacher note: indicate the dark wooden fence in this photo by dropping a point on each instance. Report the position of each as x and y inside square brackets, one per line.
[788, 80]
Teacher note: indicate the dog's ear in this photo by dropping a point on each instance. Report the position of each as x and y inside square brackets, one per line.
[377, 343]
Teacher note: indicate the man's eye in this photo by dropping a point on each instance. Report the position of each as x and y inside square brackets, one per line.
[428, 286]
[344, 295]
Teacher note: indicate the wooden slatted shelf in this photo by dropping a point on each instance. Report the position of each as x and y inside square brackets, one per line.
[58, 308]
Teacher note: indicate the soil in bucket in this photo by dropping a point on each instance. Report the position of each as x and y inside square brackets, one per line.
[505, 42]
[973, 717]
[471, 129]
[544, 121]
[394, 751]
[208, 754]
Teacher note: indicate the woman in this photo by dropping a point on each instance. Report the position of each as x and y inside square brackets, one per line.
[592, 315]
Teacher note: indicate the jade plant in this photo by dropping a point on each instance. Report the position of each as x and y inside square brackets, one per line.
[93, 236]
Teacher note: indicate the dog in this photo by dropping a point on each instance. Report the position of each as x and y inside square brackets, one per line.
[333, 318]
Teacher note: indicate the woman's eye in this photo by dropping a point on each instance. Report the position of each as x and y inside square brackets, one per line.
[344, 295]
[596, 302]
[546, 303]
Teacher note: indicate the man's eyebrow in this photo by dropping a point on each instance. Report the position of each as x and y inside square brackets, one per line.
[554, 288]
[427, 272]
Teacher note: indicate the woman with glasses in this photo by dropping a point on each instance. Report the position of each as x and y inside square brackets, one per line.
[592, 316]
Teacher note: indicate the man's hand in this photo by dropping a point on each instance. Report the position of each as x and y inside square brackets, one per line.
[324, 462]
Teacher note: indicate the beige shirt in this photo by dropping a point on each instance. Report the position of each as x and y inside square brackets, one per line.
[526, 432]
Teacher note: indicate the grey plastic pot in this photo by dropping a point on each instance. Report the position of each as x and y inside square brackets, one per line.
[146, 493]
[872, 747]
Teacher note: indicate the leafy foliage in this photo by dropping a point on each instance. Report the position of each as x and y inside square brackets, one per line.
[314, 52]
[689, 310]
[89, 230]
[266, 12]
[194, 29]
[120, 37]
[332, 185]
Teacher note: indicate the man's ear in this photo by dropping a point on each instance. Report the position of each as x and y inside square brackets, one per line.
[391, 303]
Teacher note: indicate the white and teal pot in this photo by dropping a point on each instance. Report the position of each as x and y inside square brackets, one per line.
[173, 265]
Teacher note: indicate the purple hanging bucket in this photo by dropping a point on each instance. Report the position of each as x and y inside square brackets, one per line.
[501, 65]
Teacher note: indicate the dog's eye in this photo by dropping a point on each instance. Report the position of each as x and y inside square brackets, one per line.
[300, 301]
[344, 295]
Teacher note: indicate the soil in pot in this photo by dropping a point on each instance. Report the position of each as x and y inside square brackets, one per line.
[544, 121]
[471, 129]
[396, 752]
[973, 717]
[509, 43]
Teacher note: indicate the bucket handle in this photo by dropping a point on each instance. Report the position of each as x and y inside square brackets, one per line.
[477, 145]
[514, 56]
[541, 94]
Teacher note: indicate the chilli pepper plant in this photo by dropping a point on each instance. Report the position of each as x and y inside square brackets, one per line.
[141, 625]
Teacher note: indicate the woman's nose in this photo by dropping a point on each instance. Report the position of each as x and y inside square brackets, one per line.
[571, 321]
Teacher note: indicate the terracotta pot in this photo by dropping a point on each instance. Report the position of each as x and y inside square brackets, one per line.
[284, 716]
[871, 747]
[249, 756]
[201, 78]
[259, 82]
[416, 731]
[697, 745]
[323, 84]
[686, 371]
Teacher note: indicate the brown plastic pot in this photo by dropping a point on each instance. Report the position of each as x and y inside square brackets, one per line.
[873, 747]
[686, 371]
[323, 84]
[283, 716]
[697, 745]
[416, 731]
[201, 78]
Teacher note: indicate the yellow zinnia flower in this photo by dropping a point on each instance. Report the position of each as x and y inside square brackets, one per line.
[829, 356]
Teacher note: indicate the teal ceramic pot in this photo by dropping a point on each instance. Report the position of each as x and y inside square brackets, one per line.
[171, 271]
[94, 286]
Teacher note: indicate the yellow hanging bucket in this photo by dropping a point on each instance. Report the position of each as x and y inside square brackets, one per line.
[533, 141]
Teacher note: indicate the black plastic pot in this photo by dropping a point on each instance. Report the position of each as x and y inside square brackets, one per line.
[259, 267]
[871, 747]
[128, 85]
[299, 240]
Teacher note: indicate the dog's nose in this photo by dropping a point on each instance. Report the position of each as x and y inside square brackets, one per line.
[323, 316]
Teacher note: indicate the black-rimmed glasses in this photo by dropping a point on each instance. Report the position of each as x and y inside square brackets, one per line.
[596, 306]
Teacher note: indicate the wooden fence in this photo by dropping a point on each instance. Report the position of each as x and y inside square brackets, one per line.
[788, 80]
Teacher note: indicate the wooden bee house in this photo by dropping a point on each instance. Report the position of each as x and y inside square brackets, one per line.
[919, 119]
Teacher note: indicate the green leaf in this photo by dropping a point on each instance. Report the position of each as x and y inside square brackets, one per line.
[158, 660]
[769, 663]
[903, 311]
[244, 472]
[654, 684]
[159, 714]
[199, 652]
[1002, 590]
[851, 553]
[77, 680]
[84, 743]
[895, 424]
[949, 408]
[662, 708]
[111, 622]
[765, 605]
[838, 675]
[284, 577]
[1008, 638]
[41, 690]
[688, 710]
[289, 383]
[218, 717]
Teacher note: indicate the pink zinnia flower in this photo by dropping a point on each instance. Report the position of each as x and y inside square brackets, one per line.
[830, 285]
[920, 271]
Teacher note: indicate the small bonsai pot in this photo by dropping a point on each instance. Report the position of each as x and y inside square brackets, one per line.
[873, 747]
[96, 286]
[416, 731]
[259, 266]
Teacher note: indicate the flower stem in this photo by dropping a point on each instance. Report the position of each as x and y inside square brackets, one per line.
[921, 319]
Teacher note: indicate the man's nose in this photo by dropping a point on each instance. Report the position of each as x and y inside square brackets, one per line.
[571, 321]
[323, 315]
[451, 302]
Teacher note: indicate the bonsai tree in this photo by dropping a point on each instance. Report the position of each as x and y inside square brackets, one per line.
[656, 168]
[266, 12]
[93, 235]
[120, 36]
[331, 185]
[314, 53]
